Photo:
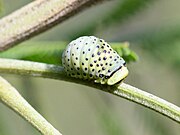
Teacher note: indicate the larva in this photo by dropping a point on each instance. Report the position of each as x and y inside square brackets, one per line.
[91, 58]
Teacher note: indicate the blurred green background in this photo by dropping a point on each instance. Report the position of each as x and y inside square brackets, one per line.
[153, 29]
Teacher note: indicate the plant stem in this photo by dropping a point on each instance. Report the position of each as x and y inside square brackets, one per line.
[123, 90]
[146, 99]
[11, 97]
[36, 17]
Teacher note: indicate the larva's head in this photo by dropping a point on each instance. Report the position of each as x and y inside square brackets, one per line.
[118, 75]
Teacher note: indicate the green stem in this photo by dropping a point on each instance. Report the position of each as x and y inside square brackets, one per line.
[11, 97]
[123, 90]
[151, 101]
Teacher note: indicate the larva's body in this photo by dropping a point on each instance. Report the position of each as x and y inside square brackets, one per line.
[92, 58]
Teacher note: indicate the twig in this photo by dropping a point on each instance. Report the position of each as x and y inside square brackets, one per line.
[124, 90]
[36, 17]
[10, 97]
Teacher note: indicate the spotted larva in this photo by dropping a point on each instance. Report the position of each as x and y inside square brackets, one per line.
[92, 58]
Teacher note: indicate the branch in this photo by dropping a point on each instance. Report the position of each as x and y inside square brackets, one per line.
[36, 17]
[10, 97]
[123, 90]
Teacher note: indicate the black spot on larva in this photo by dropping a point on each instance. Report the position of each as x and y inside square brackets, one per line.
[110, 64]
[92, 55]
[86, 59]
[95, 61]
[74, 64]
[118, 57]
[108, 46]
[109, 71]
[110, 57]
[104, 51]
[68, 65]
[69, 74]
[110, 49]
[78, 68]
[89, 49]
[94, 39]
[101, 64]
[104, 58]
[71, 68]
[97, 46]
[83, 52]
[102, 47]
[84, 74]
[90, 75]
[124, 63]
[91, 65]
[115, 59]
[68, 59]
[109, 52]
[93, 42]
[99, 71]
[80, 41]
[67, 51]
[93, 70]
[85, 68]
[65, 56]
[98, 53]
[86, 43]
[77, 48]
[76, 58]
[72, 54]
[97, 65]
[82, 63]
[78, 73]
[104, 44]
[114, 52]
[73, 74]
[101, 75]
[103, 68]
[100, 40]
[106, 63]
[99, 59]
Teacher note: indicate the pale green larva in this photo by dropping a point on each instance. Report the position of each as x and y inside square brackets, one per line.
[92, 58]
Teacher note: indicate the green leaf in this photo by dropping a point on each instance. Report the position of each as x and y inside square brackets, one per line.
[124, 51]
[1, 6]
[51, 52]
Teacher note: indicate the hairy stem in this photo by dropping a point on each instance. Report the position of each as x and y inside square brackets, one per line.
[11, 97]
[123, 90]
[36, 17]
